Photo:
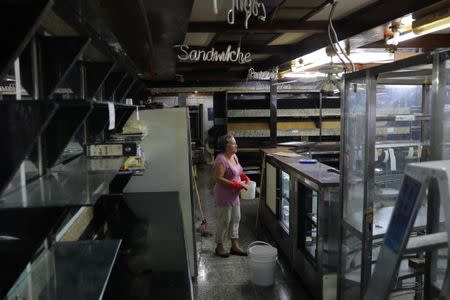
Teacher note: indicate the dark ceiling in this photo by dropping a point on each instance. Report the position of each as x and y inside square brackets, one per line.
[283, 17]
[146, 31]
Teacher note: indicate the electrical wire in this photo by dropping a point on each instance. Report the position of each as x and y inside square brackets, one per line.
[336, 41]
[336, 37]
[342, 50]
[331, 39]
[334, 47]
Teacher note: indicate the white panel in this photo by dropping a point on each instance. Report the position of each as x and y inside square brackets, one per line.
[343, 9]
[271, 188]
[203, 10]
[297, 3]
[289, 38]
[168, 167]
[329, 286]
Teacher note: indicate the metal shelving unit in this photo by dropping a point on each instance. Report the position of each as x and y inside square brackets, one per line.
[61, 55]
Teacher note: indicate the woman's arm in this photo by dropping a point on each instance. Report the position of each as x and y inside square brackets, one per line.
[219, 171]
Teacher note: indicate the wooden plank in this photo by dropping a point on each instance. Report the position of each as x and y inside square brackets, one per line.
[296, 125]
[331, 124]
[248, 126]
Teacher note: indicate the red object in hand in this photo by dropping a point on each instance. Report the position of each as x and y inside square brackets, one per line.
[237, 185]
[244, 177]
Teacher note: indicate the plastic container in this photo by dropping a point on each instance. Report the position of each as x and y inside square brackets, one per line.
[250, 192]
[262, 261]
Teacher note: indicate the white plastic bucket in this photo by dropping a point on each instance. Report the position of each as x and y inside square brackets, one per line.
[250, 192]
[262, 261]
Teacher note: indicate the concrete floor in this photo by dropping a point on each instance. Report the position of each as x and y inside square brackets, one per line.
[229, 278]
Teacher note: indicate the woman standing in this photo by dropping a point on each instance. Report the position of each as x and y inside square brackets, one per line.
[227, 176]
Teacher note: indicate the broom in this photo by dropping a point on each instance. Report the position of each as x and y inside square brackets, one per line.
[204, 225]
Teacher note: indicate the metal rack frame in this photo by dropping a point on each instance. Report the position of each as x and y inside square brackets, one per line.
[372, 77]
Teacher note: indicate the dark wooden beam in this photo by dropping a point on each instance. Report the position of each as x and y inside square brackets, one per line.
[431, 41]
[363, 20]
[208, 65]
[316, 10]
[214, 76]
[210, 83]
[276, 26]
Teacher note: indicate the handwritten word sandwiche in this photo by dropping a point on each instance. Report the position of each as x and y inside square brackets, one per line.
[214, 55]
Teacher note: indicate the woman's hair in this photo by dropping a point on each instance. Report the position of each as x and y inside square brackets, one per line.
[223, 141]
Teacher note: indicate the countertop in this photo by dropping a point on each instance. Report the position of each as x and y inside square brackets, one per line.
[318, 173]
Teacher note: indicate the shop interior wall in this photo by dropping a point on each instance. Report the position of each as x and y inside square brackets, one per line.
[192, 99]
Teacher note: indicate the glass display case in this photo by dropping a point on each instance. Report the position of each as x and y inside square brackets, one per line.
[389, 120]
[301, 212]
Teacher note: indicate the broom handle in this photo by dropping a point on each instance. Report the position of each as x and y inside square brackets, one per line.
[198, 198]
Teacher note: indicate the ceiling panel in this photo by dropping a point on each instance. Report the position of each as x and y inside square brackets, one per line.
[229, 37]
[256, 39]
[289, 38]
[304, 3]
[198, 38]
[343, 9]
[291, 14]
[203, 10]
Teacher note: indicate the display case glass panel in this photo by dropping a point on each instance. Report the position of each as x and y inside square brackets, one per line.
[401, 137]
[446, 121]
[271, 188]
[311, 224]
[350, 265]
[285, 200]
[439, 262]
[309, 220]
[355, 118]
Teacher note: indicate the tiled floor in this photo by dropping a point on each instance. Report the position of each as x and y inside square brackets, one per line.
[229, 278]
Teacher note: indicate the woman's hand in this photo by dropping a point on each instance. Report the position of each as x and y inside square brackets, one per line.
[244, 177]
[237, 185]
[219, 172]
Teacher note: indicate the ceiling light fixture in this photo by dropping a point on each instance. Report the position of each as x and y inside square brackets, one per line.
[303, 75]
[331, 85]
[432, 22]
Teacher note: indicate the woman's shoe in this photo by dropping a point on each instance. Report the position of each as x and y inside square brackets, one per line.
[222, 253]
[239, 252]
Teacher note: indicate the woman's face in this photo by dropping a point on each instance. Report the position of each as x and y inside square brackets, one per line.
[231, 146]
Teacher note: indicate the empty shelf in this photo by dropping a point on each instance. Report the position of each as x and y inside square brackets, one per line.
[78, 183]
[68, 270]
